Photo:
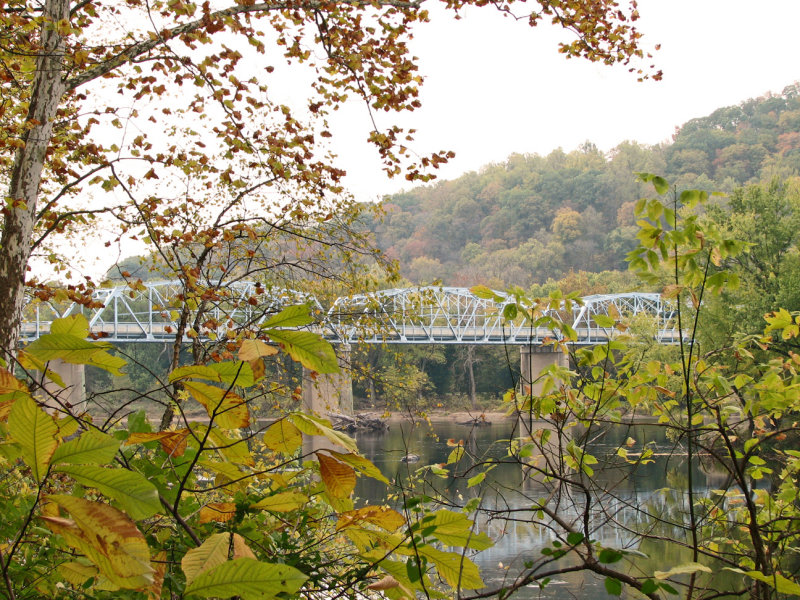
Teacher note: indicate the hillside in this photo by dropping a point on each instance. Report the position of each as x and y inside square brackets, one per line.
[531, 217]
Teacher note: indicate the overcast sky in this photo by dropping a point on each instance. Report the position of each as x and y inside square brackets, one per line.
[494, 87]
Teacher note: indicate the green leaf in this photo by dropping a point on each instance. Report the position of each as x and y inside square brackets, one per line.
[613, 586]
[574, 538]
[107, 362]
[291, 316]
[309, 349]
[76, 325]
[92, 447]
[510, 312]
[281, 502]
[483, 292]
[135, 494]
[247, 578]
[660, 184]
[473, 481]
[455, 455]
[456, 529]
[230, 372]
[609, 555]
[604, 320]
[35, 431]
[456, 569]
[72, 349]
[776, 581]
[649, 586]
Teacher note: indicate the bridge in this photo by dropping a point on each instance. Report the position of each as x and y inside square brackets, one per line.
[425, 315]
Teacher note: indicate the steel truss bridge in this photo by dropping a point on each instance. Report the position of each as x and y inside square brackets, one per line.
[424, 315]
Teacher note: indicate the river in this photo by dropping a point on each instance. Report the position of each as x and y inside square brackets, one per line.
[658, 486]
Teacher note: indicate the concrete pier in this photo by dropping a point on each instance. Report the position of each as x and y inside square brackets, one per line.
[533, 360]
[325, 393]
[74, 378]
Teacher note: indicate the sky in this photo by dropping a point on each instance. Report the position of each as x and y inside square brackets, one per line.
[494, 87]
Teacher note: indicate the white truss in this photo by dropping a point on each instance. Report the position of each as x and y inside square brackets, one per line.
[425, 315]
[150, 312]
[449, 315]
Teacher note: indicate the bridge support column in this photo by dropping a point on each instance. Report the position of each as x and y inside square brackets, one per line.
[330, 392]
[74, 378]
[532, 361]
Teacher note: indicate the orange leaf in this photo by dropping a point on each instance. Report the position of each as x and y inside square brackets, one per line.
[159, 564]
[174, 444]
[220, 512]
[382, 516]
[339, 478]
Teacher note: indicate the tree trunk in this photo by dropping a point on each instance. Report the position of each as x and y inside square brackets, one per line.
[469, 363]
[26, 175]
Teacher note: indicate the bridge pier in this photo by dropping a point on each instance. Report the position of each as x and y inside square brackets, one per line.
[533, 360]
[325, 393]
[74, 378]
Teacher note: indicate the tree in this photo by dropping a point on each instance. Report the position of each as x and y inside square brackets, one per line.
[202, 75]
[736, 419]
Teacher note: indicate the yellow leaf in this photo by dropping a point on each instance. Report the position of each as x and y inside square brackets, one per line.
[77, 573]
[36, 432]
[31, 363]
[228, 410]
[252, 350]
[220, 512]
[212, 552]
[339, 479]
[10, 384]
[228, 476]
[234, 450]
[282, 436]
[107, 537]
[282, 502]
[311, 425]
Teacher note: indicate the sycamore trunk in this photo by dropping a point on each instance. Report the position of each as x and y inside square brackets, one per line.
[47, 90]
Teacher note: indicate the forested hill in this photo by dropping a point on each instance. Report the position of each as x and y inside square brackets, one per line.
[534, 217]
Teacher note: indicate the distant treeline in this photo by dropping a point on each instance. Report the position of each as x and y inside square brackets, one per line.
[534, 218]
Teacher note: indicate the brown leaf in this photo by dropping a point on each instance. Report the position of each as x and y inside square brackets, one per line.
[339, 478]
[387, 583]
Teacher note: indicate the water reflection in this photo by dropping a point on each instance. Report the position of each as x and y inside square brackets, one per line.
[626, 501]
